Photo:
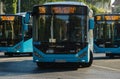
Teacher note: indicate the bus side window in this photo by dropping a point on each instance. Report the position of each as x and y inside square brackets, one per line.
[9, 30]
[1, 28]
[117, 27]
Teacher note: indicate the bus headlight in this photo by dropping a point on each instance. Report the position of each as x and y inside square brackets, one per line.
[38, 55]
[17, 48]
[83, 54]
[50, 51]
[116, 46]
[101, 45]
[72, 51]
[78, 50]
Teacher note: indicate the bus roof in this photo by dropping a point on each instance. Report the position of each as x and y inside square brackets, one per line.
[107, 14]
[21, 13]
[65, 3]
[9, 15]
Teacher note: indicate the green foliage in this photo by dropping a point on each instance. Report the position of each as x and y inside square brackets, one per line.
[10, 6]
[14, 6]
[96, 10]
[27, 5]
[54, 0]
[102, 8]
[117, 9]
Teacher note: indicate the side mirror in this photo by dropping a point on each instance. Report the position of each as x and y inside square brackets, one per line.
[91, 23]
[27, 17]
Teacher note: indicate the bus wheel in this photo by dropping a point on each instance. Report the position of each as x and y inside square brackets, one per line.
[9, 54]
[41, 65]
[90, 62]
[31, 54]
[109, 55]
[6, 54]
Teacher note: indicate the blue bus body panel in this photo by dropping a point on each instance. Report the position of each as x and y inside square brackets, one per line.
[27, 46]
[22, 47]
[106, 50]
[17, 48]
[61, 57]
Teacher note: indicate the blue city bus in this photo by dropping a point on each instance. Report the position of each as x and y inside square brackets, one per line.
[27, 45]
[62, 33]
[15, 34]
[107, 34]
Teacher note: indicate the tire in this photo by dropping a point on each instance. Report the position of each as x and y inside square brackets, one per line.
[41, 65]
[90, 62]
[30, 54]
[6, 54]
[109, 55]
[9, 54]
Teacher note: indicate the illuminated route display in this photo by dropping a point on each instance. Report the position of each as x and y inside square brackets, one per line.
[7, 18]
[107, 17]
[60, 10]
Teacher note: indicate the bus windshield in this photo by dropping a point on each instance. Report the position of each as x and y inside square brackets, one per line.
[10, 28]
[107, 32]
[117, 31]
[70, 28]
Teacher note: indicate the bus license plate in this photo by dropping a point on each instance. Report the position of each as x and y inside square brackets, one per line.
[60, 61]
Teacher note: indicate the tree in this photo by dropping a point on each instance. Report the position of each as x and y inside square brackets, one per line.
[117, 9]
[10, 6]
[14, 6]
[27, 5]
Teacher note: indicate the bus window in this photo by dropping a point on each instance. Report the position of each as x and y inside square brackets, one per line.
[9, 30]
[117, 30]
[1, 28]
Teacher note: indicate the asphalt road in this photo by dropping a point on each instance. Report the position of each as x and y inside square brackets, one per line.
[24, 68]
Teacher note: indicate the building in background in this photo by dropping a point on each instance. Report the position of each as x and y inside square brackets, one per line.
[116, 7]
[104, 5]
[116, 2]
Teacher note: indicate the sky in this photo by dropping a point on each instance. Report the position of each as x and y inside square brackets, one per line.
[112, 1]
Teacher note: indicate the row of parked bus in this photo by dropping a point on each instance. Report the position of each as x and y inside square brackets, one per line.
[107, 34]
[15, 34]
[60, 32]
